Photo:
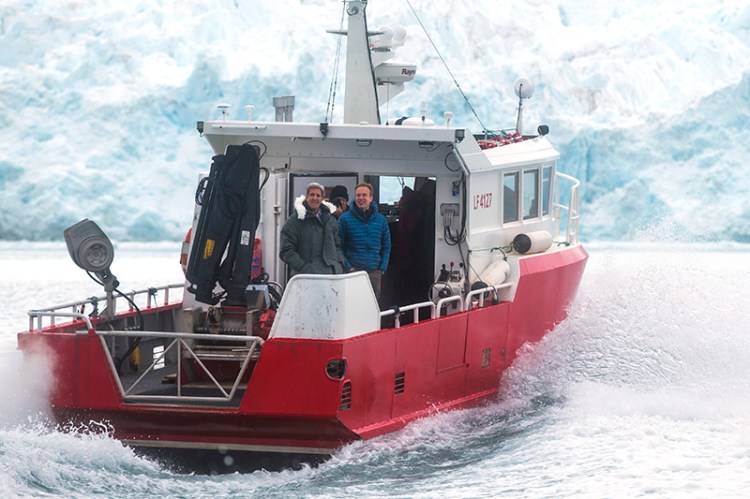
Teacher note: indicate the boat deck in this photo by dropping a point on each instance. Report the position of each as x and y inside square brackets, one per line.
[161, 385]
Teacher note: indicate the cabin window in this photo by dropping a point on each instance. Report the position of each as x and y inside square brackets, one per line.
[546, 188]
[530, 194]
[510, 197]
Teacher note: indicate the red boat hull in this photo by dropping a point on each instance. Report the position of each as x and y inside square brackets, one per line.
[290, 404]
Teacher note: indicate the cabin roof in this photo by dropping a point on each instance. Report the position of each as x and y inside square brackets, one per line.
[286, 142]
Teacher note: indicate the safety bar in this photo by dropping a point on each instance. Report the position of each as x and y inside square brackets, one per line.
[179, 344]
[481, 292]
[465, 305]
[77, 307]
[443, 301]
[573, 209]
[415, 307]
[39, 314]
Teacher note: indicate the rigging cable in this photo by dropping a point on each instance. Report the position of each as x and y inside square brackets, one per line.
[484, 128]
[460, 235]
[335, 74]
[132, 346]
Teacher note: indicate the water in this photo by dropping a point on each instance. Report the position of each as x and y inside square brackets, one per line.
[643, 391]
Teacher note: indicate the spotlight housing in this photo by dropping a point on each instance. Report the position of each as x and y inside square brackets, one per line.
[89, 247]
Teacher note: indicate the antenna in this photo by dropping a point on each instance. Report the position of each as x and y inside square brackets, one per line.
[249, 108]
[524, 90]
[224, 108]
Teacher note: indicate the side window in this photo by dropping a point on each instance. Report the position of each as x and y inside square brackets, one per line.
[510, 197]
[546, 188]
[530, 194]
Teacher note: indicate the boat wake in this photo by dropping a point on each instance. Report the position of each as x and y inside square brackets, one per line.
[645, 388]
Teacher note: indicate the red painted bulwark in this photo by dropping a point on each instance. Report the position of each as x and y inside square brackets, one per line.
[82, 377]
[547, 285]
[416, 357]
[370, 363]
[290, 379]
[451, 343]
[487, 329]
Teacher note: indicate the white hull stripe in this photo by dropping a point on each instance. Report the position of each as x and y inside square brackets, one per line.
[165, 444]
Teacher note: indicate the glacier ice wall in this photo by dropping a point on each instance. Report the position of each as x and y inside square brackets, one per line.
[647, 102]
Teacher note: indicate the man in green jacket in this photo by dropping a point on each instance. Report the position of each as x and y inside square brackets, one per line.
[310, 237]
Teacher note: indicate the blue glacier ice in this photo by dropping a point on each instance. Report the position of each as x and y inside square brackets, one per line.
[648, 102]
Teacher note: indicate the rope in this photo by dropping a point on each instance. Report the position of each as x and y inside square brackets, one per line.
[335, 74]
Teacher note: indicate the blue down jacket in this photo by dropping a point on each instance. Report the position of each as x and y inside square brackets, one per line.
[365, 239]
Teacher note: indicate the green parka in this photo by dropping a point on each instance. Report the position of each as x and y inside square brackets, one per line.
[310, 244]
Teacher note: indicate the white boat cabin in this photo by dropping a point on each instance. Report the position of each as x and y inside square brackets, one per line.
[465, 197]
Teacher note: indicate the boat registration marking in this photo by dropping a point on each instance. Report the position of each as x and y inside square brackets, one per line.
[482, 201]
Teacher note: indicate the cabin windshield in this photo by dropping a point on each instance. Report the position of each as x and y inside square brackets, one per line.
[546, 189]
[530, 194]
[510, 197]
[527, 194]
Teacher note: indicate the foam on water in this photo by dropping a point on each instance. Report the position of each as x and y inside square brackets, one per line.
[651, 377]
[644, 390]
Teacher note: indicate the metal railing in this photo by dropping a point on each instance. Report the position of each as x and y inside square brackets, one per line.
[479, 293]
[436, 309]
[572, 209]
[397, 311]
[180, 344]
[443, 302]
[77, 308]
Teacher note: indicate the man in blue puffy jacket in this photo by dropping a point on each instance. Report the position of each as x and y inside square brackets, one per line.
[365, 238]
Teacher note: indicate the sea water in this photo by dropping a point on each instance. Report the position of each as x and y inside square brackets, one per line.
[643, 391]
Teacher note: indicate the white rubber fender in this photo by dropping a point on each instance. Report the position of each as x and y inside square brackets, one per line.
[533, 242]
[496, 272]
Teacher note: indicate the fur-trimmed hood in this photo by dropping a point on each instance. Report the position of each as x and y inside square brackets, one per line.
[302, 210]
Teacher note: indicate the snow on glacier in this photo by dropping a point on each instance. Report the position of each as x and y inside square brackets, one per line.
[647, 102]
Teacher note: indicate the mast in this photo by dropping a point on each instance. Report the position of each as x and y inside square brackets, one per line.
[360, 97]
